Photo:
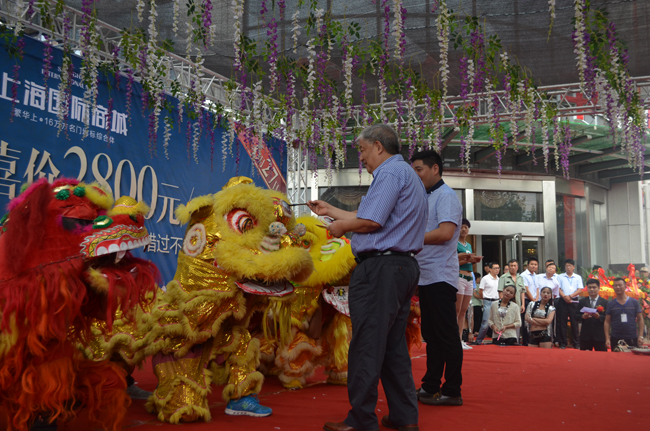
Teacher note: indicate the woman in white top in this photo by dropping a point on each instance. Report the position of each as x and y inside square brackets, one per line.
[539, 317]
[505, 318]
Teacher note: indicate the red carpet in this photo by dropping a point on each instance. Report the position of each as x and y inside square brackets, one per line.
[504, 388]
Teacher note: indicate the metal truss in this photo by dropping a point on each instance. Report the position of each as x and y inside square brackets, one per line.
[297, 177]
[568, 99]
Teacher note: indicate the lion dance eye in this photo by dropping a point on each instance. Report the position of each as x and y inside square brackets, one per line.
[240, 220]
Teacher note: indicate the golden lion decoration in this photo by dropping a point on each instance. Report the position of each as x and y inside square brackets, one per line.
[321, 326]
[236, 260]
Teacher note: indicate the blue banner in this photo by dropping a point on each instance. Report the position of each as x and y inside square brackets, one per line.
[116, 154]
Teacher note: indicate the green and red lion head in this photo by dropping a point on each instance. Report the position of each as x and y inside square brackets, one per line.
[64, 256]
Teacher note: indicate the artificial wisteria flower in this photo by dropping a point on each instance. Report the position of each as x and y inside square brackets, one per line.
[347, 60]
[443, 23]
[295, 30]
[109, 116]
[579, 42]
[207, 21]
[47, 60]
[311, 51]
[20, 46]
[140, 8]
[545, 127]
[176, 12]
[20, 6]
[238, 8]
[383, 61]
[129, 92]
[565, 149]
[398, 26]
[272, 32]
[551, 11]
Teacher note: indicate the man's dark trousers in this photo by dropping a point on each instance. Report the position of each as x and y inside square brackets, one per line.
[380, 300]
[565, 310]
[440, 332]
[592, 344]
[524, 329]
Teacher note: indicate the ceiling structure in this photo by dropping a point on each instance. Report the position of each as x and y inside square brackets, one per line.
[522, 26]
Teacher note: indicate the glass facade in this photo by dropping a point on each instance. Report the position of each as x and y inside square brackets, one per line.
[493, 205]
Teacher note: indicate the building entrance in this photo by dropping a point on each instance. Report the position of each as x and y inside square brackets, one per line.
[502, 248]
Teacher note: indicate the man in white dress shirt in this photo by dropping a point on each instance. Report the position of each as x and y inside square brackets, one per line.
[567, 304]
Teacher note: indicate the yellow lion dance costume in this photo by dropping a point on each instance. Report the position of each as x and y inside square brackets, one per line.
[236, 260]
[321, 326]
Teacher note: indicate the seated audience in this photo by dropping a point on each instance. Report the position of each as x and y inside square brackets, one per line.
[592, 331]
[539, 316]
[623, 316]
[505, 318]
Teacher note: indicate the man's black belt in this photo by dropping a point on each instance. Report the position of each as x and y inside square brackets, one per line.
[367, 255]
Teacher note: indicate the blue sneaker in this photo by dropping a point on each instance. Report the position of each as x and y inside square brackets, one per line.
[248, 406]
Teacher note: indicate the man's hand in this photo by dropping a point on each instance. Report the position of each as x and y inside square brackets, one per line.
[586, 316]
[608, 343]
[523, 309]
[320, 208]
[337, 228]
[567, 299]
[595, 315]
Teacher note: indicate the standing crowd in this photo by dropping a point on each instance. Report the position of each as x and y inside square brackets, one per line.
[550, 304]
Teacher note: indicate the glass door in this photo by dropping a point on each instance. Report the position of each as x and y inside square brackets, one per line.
[510, 247]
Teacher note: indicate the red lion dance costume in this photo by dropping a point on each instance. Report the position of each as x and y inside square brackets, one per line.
[64, 261]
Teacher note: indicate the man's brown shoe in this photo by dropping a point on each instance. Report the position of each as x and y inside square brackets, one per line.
[385, 421]
[337, 426]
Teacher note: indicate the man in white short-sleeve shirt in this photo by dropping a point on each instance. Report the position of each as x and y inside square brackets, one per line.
[489, 291]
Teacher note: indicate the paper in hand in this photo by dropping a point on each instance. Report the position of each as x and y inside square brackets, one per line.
[588, 310]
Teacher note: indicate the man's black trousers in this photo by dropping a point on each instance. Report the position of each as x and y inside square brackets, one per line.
[440, 332]
[524, 328]
[566, 311]
[592, 344]
[380, 300]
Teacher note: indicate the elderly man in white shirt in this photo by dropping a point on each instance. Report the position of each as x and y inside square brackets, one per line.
[549, 279]
[567, 305]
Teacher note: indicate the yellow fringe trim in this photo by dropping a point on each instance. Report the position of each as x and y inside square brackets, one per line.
[339, 334]
[157, 404]
[252, 384]
[170, 318]
[279, 310]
